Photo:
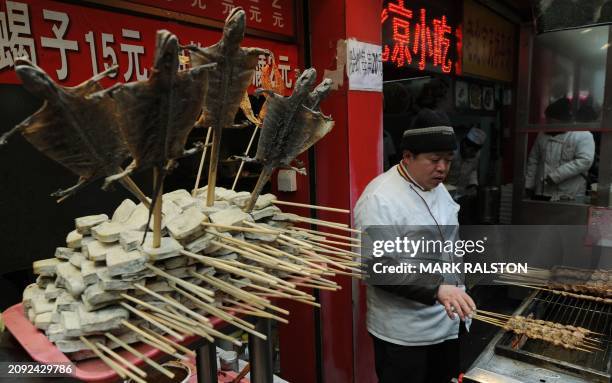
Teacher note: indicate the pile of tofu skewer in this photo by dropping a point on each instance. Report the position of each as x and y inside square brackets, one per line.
[106, 289]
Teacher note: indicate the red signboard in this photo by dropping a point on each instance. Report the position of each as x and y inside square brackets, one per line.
[418, 37]
[73, 43]
[269, 15]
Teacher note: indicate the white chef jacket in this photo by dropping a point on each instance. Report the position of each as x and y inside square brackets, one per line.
[566, 158]
[391, 200]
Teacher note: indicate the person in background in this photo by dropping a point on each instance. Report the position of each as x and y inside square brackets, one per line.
[558, 162]
[414, 318]
[462, 180]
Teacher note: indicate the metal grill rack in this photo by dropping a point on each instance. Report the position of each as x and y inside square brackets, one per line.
[595, 316]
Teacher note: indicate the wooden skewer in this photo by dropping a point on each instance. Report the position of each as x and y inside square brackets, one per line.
[230, 289]
[228, 268]
[224, 316]
[238, 322]
[157, 209]
[153, 322]
[295, 258]
[246, 254]
[320, 287]
[121, 359]
[265, 254]
[172, 302]
[205, 294]
[246, 153]
[240, 228]
[171, 343]
[280, 294]
[351, 253]
[140, 355]
[255, 311]
[109, 362]
[331, 225]
[318, 207]
[325, 234]
[130, 185]
[328, 241]
[200, 168]
[162, 346]
[160, 311]
[298, 242]
[198, 328]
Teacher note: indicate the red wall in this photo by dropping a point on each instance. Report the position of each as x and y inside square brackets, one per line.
[346, 161]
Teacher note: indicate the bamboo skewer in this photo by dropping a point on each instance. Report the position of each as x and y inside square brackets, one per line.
[162, 346]
[246, 153]
[109, 362]
[205, 294]
[157, 209]
[160, 311]
[325, 234]
[255, 310]
[153, 322]
[140, 355]
[560, 292]
[295, 258]
[170, 342]
[121, 359]
[238, 322]
[173, 303]
[226, 267]
[225, 316]
[240, 228]
[201, 167]
[317, 207]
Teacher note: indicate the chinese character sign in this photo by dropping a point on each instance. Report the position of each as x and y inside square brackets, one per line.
[418, 37]
[276, 16]
[488, 43]
[73, 43]
[364, 66]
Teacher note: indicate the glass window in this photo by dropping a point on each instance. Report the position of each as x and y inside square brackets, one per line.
[567, 78]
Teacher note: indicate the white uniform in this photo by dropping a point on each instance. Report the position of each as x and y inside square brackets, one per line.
[566, 158]
[391, 200]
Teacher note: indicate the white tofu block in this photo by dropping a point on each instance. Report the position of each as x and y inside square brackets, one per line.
[71, 323]
[97, 251]
[73, 239]
[52, 291]
[120, 262]
[70, 278]
[89, 272]
[181, 198]
[84, 224]
[169, 248]
[56, 332]
[124, 211]
[230, 217]
[267, 212]
[188, 224]
[64, 253]
[95, 296]
[102, 320]
[30, 292]
[76, 259]
[42, 321]
[107, 232]
[112, 284]
[41, 305]
[65, 302]
[130, 240]
[46, 267]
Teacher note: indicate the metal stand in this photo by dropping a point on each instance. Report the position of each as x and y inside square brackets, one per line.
[206, 363]
[260, 353]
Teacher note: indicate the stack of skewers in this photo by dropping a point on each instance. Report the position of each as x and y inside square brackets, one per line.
[566, 336]
[591, 285]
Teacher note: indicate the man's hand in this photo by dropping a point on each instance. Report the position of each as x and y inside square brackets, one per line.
[456, 300]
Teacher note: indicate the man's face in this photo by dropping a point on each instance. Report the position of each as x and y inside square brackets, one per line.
[428, 169]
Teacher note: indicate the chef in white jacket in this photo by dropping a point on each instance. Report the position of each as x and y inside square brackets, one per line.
[415, 325]
[558, 163]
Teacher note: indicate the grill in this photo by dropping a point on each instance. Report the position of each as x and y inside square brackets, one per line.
[595, 316]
